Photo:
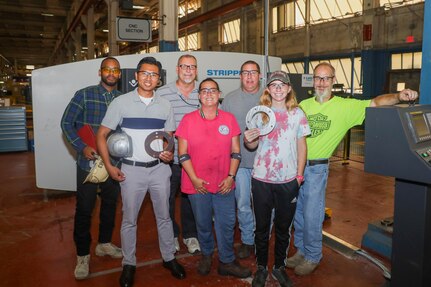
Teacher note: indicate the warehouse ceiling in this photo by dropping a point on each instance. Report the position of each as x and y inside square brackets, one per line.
[31, 30]
[34, 32]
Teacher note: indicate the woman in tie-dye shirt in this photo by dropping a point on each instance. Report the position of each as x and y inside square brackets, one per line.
[277, 173]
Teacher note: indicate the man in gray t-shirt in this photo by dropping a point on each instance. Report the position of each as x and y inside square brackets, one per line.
[239, 102]
[183, 96]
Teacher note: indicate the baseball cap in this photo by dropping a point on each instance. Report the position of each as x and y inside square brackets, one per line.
[278, 76]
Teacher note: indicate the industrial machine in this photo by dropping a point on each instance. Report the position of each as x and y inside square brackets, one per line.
[50, 100]
[398, 144]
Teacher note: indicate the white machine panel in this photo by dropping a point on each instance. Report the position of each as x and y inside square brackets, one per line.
[53, 87]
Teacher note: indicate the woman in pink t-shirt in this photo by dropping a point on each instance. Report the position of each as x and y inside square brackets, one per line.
[209, 151]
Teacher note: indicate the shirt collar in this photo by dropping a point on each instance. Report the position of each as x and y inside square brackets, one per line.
[102, 90]
[137, 96]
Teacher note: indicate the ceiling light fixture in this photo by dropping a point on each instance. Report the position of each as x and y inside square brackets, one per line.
[47, 14]
[105, 30]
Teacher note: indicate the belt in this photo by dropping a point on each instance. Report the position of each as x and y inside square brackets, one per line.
[143, 164]
[312, 162]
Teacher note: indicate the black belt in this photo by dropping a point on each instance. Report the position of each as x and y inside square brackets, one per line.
[312, 162]
[143, 164]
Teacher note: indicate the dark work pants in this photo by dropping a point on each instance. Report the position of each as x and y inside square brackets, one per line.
[188, 223]
[86, 196]
[282, 198]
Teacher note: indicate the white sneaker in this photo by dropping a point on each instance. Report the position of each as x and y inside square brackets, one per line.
[110, 249]
[177, 244]
[192, 244]
[82, 268]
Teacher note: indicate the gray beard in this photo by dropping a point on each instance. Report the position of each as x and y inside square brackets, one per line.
[320, 97]
[188, 81]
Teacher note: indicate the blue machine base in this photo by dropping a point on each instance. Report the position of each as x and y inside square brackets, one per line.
[378, 237]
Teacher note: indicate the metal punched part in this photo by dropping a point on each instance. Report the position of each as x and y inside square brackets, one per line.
[253, 120]
[156, 136]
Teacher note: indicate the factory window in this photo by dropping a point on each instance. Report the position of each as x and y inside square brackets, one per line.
[283, 17]
[230, 31]
[388, 4]
[188, 7]
[292, 14]
[329, 10]
[293, 68]
[155, 25]
[189, 42]
[152, 49]
[406, 61]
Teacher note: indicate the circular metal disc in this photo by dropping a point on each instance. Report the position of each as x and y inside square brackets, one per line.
[155, 136]
[252, 120]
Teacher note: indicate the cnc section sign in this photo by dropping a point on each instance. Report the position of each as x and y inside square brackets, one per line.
[133, 30]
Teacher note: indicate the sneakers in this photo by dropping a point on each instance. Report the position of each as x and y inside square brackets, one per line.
[260, 277]
[82, 268]
[103, 249]
[295, 260]
[281, 276]
[233, 269]
[204, 265]
[177, 244]
[245, 250]
[192, 245]
[305, 268]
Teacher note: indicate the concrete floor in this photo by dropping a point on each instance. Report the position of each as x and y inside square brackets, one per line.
[37, 248]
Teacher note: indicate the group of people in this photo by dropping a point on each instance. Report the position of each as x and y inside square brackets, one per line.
[221, 169]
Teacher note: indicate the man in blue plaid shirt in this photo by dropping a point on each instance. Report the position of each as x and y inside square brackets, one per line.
[88, 107]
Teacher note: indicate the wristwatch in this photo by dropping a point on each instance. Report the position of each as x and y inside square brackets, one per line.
[231, 175]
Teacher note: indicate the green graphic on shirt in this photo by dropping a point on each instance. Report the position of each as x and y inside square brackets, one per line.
[318, 124]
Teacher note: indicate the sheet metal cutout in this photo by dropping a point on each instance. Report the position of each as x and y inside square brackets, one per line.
[252, 121]
[155, 136]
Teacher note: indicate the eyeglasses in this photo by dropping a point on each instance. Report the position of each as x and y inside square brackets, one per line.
[208, 91]
[325, 78]
[114, 71]
[146, 74]
[279, 86]
[185, 67]
[246, 73]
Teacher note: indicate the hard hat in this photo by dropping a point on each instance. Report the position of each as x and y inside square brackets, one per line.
[120, 145]
[98, 172]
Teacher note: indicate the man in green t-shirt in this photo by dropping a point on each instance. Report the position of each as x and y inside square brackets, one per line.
[329, 117]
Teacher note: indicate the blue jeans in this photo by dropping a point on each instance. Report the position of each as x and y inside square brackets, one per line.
[223, 208]
[310, 212]
[243, 203]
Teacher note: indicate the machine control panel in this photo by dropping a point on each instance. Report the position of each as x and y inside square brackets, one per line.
[398, 142]
[425, 154]
[419, 123]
